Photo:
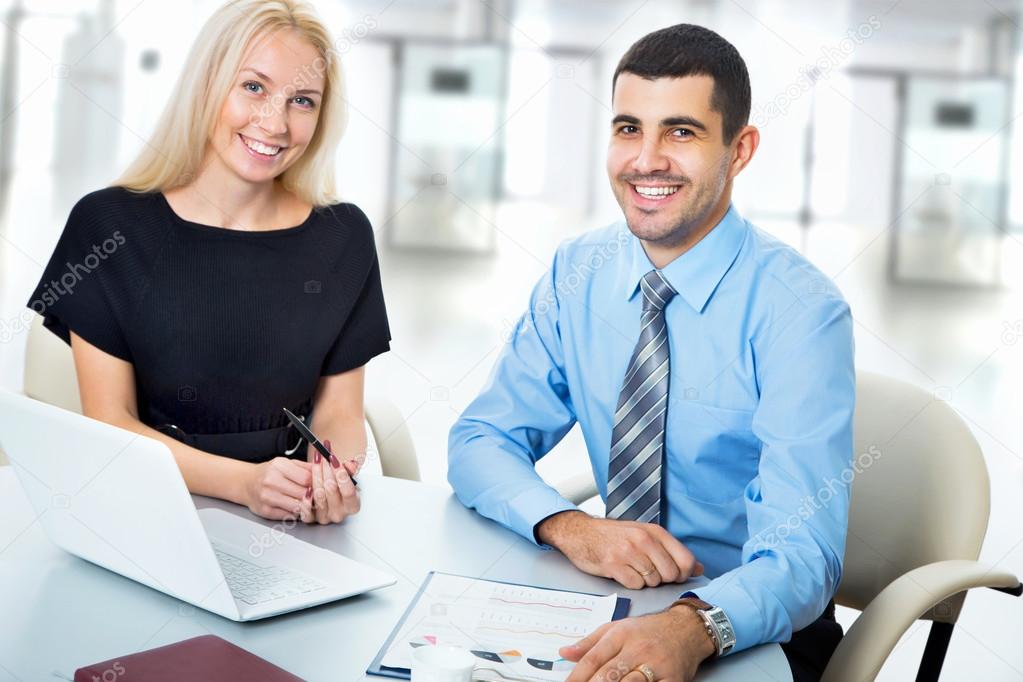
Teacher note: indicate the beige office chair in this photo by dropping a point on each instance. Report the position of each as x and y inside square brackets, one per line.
[919, 512]
[917, 521]
[50, 377]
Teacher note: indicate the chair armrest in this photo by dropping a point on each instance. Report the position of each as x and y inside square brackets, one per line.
[394, 442]
[579, 488]
[875, 633]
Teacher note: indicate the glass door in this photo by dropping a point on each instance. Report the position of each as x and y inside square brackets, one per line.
[447, 153]
[951, 181]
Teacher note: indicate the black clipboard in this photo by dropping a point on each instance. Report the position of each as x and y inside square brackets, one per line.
[622, 607]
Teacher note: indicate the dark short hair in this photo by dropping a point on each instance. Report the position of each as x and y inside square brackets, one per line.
[690, 50]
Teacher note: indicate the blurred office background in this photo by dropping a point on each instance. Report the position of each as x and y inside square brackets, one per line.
[888, 157]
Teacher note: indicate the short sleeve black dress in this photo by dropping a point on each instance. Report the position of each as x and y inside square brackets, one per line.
[224, 327]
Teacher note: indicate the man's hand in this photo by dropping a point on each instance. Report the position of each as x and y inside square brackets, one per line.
[670, 644]
[634, 554]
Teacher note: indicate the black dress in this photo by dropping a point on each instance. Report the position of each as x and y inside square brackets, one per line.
[223, 327]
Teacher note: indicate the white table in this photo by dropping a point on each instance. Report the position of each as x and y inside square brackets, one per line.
[58, 612]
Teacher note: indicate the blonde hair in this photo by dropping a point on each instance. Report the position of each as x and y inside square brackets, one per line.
[174, 154]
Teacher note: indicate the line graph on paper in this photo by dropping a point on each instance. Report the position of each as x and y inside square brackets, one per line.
[523, 596]
[512, 629]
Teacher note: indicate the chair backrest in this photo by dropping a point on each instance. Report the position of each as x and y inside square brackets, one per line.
[920, 491]
[50, 376]
[50, 369]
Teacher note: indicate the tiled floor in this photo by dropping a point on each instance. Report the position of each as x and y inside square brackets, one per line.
[449, 314]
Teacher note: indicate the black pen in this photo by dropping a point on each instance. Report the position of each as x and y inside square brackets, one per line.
[308, 435]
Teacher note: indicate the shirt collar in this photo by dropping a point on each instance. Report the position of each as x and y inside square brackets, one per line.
[696, 273]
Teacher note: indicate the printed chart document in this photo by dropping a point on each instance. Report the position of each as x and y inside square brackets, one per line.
[514, 631]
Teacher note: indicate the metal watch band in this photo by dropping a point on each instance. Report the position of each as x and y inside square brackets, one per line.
[716, 621]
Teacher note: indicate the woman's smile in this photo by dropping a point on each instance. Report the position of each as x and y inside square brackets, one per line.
[261, 150]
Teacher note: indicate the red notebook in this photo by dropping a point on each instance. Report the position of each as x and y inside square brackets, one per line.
[202, 659]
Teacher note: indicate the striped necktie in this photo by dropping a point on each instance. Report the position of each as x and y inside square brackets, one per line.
[637, 441]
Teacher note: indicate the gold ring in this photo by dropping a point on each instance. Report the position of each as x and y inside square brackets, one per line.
[647, 672]
[645, 574]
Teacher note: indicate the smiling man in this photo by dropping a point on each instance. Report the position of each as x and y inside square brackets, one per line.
[710, 368]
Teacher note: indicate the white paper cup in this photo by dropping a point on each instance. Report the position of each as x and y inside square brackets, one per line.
[442, 664]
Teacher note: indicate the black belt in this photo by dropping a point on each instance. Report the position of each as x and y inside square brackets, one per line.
[250, 446]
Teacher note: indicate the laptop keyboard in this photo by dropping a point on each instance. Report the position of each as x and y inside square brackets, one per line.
[255, 584]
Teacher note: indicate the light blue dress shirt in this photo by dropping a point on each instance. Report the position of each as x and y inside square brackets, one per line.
[759, 424]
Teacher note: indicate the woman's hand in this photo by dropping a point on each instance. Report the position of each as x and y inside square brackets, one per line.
[280, 489]
[334, 495]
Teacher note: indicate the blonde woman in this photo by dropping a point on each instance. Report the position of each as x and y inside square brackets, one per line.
[219, 280]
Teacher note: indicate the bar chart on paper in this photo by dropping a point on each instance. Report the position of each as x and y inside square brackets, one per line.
[513, 631]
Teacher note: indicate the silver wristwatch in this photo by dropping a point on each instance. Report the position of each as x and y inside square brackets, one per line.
[716, 622]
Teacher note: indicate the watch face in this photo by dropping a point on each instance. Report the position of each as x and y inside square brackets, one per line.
[724, 628]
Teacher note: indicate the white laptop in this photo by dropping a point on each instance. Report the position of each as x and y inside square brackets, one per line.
[117, 499]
